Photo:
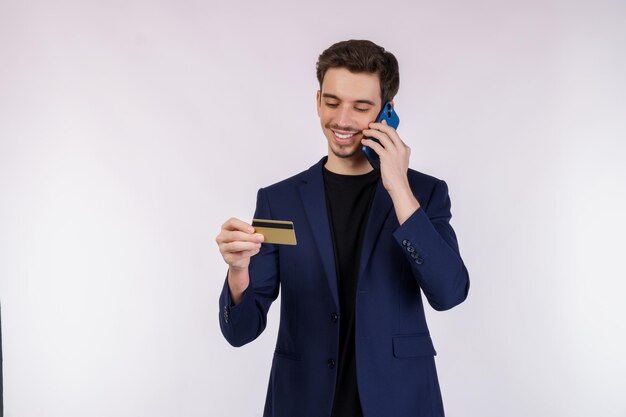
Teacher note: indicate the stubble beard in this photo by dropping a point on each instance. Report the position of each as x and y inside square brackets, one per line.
[344, 153]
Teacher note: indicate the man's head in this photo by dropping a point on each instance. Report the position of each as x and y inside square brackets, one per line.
[362, 56]
[356, 78]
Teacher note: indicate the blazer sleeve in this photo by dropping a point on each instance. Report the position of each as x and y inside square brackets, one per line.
[430, 245]
[244, 322]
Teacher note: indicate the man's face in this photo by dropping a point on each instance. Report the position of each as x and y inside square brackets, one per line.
[347, 103]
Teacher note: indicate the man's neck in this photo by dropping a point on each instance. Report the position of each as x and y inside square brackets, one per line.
[348, 166]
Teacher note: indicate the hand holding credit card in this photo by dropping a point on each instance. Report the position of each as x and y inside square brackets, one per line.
[275, 231]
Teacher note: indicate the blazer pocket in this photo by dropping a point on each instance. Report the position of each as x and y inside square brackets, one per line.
[413, 346]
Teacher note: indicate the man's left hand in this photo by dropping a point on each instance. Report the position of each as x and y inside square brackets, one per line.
[394, 164]
[394, 155]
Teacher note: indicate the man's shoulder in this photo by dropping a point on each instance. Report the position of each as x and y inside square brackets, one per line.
[421, 180]
[292, 181]
[417, 179]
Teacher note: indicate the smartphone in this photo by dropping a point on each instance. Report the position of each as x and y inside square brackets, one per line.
[386, 113]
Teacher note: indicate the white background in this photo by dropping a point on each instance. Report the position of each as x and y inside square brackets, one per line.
[131, 130]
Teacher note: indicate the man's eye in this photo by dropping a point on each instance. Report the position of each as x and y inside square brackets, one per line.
[361, 110]
[331, 105]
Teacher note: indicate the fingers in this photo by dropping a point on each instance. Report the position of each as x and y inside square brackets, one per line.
[240, 259]
[239, 246]
[388, 138]
[385, 142]
[235, 224]
[375, 146]
[227, 236]
[387, 131]
[395, 155]
[238, 242]
[237, 230]
[383, 127]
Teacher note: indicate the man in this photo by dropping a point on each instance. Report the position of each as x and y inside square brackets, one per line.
[353, 339]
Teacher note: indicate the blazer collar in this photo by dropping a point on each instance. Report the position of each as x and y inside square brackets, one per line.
[313, 196]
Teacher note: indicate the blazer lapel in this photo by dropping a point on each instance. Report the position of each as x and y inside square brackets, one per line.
[313, 197]
[378, 214]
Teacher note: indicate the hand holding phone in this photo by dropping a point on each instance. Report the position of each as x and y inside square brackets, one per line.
[386, 113]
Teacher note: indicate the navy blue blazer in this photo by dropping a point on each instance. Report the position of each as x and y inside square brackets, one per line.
[396, 372]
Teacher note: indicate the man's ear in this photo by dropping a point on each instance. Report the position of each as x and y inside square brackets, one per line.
[391, 103]
[318, 103]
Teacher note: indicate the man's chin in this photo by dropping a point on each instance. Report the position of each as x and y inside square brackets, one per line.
[346, 153]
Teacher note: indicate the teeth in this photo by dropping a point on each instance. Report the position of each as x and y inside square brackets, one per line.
[340, 136]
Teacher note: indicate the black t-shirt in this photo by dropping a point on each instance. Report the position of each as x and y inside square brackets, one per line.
[348, 199]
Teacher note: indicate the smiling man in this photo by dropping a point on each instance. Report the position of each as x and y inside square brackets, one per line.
[348, 104]
[353, 338]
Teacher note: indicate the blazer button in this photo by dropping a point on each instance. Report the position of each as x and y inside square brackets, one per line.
[419, 260]
[226, 314]
[331, 363]
[334, 317]
[411, 249]
[406, 242]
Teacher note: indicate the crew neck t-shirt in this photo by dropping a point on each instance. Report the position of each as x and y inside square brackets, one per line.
[348, 199]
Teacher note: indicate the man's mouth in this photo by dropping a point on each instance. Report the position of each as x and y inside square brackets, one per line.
[344, 136]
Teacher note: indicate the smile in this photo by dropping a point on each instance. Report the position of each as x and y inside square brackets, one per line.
[339, 135]
[344, 137]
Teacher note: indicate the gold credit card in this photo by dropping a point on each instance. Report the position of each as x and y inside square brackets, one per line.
[275, 231]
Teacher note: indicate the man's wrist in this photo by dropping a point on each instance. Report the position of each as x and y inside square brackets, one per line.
[404, 203]
[238, 282]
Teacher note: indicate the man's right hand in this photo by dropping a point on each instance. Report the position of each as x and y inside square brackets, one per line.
[238, 243]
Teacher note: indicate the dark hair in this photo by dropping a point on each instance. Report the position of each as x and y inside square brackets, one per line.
[362, 56]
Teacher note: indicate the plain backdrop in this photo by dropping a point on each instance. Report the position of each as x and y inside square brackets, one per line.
[131, 130]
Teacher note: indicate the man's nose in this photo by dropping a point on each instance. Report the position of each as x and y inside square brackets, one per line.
[344, 117]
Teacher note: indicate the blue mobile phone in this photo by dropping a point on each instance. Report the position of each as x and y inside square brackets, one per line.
[386, 113]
